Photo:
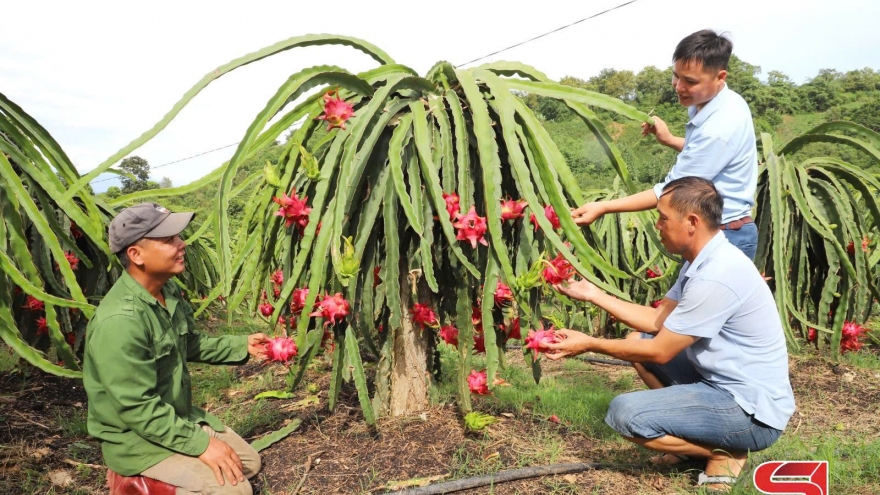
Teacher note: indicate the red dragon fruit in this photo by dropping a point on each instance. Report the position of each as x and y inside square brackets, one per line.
[298, 300]
[850, 337]
[266, 309]
[332, 308]
[452, 204]
[33, 304]
[281, 349]
[449, 334]
[42, 326]
[512, 329]
[294, 210]
[511, 209]
[424, 316]
[277, 277]
[336, 111]
[558, 270]
[655, 273]
[479, 343]
[551, 215]
[537, 340]
[478, 383]
[471, 227]
[71, 259]
[503, 294]
[75, 230]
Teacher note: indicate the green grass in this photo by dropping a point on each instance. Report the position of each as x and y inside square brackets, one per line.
[8, 359]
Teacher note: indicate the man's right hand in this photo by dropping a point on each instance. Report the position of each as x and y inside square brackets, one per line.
[588, 213]
[659, 130]
[223, 460]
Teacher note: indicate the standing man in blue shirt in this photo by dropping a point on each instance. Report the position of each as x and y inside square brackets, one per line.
[719, 142]
[713, 352]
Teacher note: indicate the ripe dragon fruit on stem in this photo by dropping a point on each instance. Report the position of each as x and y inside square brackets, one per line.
[281, 349]
[537, 340]
[449, 334]
[332, 308]
[558, 270]
[277, 277]
[511, 210]
[298, 300]
[478, 382]
[336, 111]
[33, 304]
[851, 335]
[551, 215]
[294, 210]
[424, 316]
[266, 309]
[471, 227]
[452, 204]
[503, 294]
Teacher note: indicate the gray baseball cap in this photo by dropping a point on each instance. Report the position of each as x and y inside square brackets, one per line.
[145, 220]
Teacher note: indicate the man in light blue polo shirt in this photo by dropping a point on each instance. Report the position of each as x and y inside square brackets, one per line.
[719, 142]
[715, 355]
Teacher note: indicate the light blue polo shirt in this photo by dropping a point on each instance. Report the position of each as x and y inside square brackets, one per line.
[719, 145]
[724, 300]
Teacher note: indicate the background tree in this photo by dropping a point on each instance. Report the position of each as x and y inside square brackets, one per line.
[138, 178]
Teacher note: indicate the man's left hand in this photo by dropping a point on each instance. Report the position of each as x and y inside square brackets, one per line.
[569, 343]
[257, 345]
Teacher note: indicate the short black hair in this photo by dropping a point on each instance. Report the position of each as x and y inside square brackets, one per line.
[123, 258]
[123, 255]
[696, 195]
[706, 47]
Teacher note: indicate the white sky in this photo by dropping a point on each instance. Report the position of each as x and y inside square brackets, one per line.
[98, 74]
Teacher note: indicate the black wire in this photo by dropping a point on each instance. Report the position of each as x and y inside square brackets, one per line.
[457, 66]
[548, 33]
[176, 161]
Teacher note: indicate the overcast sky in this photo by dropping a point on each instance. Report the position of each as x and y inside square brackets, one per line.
[98, 74]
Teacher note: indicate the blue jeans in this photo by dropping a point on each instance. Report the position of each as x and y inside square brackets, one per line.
[746, 239]
[690, 408]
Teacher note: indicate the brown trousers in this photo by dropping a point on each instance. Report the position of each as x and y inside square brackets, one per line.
[193, 476]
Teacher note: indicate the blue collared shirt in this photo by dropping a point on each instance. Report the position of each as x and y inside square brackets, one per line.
[719, 145]
[723, 300]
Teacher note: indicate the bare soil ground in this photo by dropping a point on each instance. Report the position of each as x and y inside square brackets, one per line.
[45, 448]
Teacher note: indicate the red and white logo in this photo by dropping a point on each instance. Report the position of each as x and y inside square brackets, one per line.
[792, 477]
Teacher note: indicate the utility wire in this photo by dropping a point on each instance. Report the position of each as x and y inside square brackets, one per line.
[457, 66]
[547, 33]
[177, 161]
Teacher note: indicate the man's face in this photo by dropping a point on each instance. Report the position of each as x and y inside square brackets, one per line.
[161, 257]
[694, 85]
[674, 229]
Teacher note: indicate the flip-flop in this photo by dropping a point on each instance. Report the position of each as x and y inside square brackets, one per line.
[705, 479]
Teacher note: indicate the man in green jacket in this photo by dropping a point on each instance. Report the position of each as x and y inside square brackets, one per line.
[135, 372]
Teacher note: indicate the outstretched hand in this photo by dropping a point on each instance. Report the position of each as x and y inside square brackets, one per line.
[257, 345]
[568, 343]
[588, 213]
[580, 290]
[660, 131]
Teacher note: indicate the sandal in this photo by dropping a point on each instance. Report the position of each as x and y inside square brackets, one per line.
[705, 479]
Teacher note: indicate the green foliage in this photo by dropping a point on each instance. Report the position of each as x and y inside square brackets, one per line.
[135, 175]
[817, 220]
